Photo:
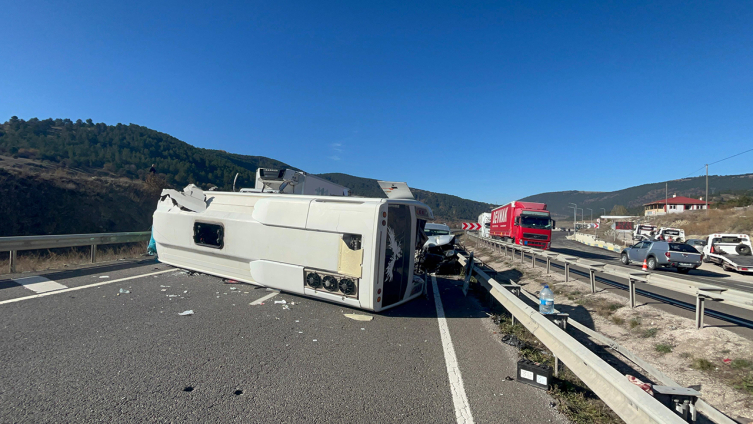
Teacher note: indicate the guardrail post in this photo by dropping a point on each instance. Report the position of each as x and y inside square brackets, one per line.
[700, 309]
[548, 264]
[631, 288]
[522, 255]
[468, 274]
[94, 253]
[556, 366]
[13, 260]
[592, 275]
[533, 259]
[567, 271]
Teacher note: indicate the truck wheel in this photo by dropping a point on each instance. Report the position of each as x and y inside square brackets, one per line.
[704, 259]
[624, 259]
[742, 250]
[726, 267]
[652, 263]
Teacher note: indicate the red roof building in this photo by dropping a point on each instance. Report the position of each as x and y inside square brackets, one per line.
[676, 204]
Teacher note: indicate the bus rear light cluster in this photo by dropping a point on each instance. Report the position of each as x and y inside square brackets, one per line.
[331, 283]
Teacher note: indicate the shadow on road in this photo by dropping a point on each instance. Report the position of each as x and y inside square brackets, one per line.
[59, 276]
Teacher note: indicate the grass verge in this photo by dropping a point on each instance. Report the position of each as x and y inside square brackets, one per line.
[40, 260]
[575, 399]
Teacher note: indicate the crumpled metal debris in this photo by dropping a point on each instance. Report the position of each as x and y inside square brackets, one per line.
[186, 313]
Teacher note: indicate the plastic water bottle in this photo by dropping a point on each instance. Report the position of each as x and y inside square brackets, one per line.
[546, 301]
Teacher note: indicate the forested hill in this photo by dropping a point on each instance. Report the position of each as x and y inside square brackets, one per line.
[128, 151]
[633, 198]
[445, 206]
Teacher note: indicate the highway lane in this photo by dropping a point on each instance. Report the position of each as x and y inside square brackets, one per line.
[708, 273]
[94, 354]
[686, 309]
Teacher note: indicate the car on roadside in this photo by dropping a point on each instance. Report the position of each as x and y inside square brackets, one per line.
[697, 244]
[662, 254]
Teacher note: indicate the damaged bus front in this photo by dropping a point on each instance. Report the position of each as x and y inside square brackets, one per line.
[359, 252]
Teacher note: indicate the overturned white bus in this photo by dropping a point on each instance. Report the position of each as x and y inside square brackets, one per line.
[359, 252]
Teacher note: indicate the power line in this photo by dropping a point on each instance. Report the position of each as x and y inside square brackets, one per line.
[720, 160]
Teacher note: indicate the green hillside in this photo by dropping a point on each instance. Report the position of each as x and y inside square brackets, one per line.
[445, 206]
[85, 150]
[634, 197]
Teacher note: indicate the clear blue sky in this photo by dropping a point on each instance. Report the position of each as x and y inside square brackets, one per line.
[489, 101]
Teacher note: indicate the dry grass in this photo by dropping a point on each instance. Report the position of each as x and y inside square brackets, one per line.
[40, 260]
[700, 223]
[576, 401]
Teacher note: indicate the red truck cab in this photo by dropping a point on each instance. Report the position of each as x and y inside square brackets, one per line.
[524, 223]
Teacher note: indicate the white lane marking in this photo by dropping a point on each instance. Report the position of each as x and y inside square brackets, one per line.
[459, 398]
[259, 301]
[34, 296]
[39, 284]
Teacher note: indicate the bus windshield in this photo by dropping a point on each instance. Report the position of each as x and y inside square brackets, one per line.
[536, 222]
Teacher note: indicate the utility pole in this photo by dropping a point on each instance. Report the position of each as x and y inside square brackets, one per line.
[575, 213]
[666, 198]
[605, 211]
[707, 188]
[592, 214]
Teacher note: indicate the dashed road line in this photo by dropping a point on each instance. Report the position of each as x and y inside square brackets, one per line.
[49, 293]
[459, 398]
[260, 300]
[39, 284]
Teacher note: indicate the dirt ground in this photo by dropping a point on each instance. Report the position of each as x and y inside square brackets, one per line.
[717, 360]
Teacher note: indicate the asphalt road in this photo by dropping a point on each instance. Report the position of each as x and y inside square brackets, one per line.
[561, 245]
[94, 354]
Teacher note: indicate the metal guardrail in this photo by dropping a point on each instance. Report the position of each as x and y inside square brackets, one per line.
[14, 244]
[627, 400]
[701, 291]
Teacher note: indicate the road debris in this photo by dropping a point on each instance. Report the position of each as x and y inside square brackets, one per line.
[286, 307]
[124, 291]
[186, 313]
[359, 317]
[280, 302]
[104, 276]
[229, 281]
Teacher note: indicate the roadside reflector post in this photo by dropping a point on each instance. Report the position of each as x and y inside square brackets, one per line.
[700, 309]
[94, 253]
[13, 260]
[548, 264]
[592, 273]
[567, 271]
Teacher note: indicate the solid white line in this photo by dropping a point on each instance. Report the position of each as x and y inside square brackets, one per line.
[459, 398]
[259, 301]
[84, 287]
[39, 284]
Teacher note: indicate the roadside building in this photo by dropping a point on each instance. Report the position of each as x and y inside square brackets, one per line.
[676, 204]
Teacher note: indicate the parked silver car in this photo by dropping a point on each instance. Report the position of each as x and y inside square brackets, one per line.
[697, 244]
[662, 254]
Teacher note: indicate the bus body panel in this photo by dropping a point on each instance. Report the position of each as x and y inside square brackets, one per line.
[277, 241]
[508, 222]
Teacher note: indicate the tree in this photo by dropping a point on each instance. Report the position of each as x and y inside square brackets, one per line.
[619, 210]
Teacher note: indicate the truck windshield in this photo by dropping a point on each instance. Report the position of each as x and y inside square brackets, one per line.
[536, 222]
[672, 232]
